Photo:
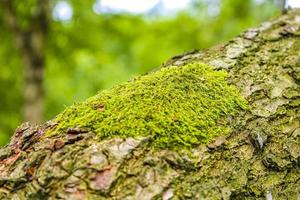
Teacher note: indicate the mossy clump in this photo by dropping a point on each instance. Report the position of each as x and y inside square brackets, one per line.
[177, 106]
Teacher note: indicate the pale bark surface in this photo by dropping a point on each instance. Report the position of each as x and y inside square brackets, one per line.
[259, 160]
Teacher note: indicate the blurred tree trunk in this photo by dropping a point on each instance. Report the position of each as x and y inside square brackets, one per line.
[259, 160]
[30, 41]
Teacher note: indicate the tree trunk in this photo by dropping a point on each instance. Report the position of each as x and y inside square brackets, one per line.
[30, 41]
[259, 159]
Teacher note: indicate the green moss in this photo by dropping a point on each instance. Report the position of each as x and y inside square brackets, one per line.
[177, 106]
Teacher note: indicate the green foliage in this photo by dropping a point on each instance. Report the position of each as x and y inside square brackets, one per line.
[93, 52]
[177, 106]
[10, 89]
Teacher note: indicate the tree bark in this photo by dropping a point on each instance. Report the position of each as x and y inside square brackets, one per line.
[260, 159]
[30, 41]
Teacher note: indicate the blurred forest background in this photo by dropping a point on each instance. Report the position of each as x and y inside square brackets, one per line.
[54, 53]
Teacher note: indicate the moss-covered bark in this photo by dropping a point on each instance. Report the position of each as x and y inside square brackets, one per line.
[259, 159]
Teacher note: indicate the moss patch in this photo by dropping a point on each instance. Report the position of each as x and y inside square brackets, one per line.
[177, 106]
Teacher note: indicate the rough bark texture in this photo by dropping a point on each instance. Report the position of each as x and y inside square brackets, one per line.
[259, 160]
[30, 41]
